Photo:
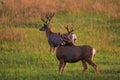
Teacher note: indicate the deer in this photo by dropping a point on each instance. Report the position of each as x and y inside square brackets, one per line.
[54, 39]
[73, 54]
[69, 37]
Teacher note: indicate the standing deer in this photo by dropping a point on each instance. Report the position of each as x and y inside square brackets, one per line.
[72, 54]
[54, 39]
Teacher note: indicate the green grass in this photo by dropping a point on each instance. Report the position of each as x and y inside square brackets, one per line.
[39, 66]
[24, 53]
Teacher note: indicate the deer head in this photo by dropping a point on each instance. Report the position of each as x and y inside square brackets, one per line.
[67, 36]
[46, 20]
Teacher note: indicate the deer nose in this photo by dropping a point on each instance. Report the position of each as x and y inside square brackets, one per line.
[40, 29]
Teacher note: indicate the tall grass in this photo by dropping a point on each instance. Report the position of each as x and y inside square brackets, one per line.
[28, 12]
[30, 58]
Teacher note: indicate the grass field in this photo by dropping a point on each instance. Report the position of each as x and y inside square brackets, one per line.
[24, 51]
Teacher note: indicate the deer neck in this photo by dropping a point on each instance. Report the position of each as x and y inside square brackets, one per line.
[48, 33]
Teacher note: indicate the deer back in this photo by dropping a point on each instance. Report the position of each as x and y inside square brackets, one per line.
[74, 53]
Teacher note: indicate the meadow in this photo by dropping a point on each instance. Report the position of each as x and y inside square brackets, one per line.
[24, 51]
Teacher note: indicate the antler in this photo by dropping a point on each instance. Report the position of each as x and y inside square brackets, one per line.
[66, 27]
[69, 30]
[47, 18]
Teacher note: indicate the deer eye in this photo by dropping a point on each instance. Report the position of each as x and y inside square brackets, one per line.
[65, 37]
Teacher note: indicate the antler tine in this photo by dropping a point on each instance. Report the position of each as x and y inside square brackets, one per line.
[66, 27]
[43, 20]
[71, 30]
[49, 16]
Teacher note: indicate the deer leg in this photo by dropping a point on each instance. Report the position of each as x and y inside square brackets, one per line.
[53, 49]
[61, 66]
[50, 49]
[84, 66]
[93, 64]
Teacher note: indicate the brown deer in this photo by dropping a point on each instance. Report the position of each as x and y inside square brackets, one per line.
[54, 39]
[72, 54]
